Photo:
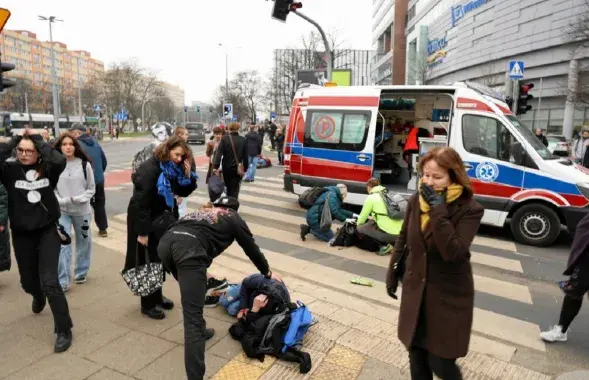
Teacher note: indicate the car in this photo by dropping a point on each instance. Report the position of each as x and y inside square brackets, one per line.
[558, 145]
[196, 132]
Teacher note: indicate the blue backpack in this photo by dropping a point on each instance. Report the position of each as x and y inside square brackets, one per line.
[300, 320]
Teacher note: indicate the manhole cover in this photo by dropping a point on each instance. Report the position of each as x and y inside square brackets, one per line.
[577, 375]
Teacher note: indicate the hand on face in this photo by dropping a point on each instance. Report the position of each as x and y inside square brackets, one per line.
[431, 196]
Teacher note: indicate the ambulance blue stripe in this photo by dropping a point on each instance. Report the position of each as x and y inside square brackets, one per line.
[333, 155]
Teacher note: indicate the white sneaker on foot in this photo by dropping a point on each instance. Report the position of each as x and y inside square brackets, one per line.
[555, 334]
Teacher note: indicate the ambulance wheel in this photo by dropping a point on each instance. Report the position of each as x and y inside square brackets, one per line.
[535, 224]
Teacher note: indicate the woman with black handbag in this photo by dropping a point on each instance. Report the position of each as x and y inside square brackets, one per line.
[153, 208]
[432, 258]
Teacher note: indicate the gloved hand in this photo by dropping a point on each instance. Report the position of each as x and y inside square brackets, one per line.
[355, 216]
[432, 197]
[391, 291]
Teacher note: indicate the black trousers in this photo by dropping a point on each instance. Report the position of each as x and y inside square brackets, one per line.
[232, 182]
[98, 203]
[186, 263]
[424, 364]
[37, 256]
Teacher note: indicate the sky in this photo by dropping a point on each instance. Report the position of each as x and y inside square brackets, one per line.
[180, 39]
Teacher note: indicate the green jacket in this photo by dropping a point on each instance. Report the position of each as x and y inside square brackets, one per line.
[374, 206]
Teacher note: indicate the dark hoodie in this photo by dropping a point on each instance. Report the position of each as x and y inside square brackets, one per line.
[42, 177]
[254, 144]
[96, 154]
[214, 231]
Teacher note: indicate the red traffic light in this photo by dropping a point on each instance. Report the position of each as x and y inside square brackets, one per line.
[295, 6]
[526, 87]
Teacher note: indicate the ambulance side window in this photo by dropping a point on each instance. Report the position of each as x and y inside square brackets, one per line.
[487, 137]
[337, 129]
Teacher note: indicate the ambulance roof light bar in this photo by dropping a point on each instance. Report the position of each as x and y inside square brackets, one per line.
[485, 90]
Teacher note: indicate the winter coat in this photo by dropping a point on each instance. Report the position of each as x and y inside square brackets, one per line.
[254, 144]
[335, 205]
[374, 206]
[5, 259]
[226, 156]
[257, 284]
[438, 289]
[580, 246]
[96, 154]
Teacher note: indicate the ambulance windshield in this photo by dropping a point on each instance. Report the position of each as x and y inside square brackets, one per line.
[531, 138]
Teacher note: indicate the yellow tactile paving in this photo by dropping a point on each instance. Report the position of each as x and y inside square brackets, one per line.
[267, 363]
[330, 371]
[237, 369]
[345, 357]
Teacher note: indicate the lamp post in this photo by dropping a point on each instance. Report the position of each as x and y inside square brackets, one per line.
[51, 20]
[227, 98]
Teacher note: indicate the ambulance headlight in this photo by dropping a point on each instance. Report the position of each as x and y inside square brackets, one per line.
[584, 189]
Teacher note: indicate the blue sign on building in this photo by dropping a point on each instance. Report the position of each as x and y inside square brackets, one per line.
[435, 45]
[459, 11]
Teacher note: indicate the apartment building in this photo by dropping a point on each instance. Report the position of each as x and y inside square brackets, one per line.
[32, 59]
[175, 93]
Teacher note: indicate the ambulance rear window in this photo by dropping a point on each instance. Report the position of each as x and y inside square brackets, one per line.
[335, 129]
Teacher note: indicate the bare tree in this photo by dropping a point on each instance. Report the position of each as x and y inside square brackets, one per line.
[492, 74]
[248, 86]
[240, 106]
[577, 33]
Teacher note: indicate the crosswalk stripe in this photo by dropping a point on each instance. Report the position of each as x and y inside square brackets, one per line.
[253, 199]
[268, 184]
[271, 179]
[276, 193]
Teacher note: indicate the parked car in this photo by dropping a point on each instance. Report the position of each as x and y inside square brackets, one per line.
[558, 145]
[196, 132]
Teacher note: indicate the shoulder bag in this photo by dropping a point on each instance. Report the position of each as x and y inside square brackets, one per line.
[240, 171]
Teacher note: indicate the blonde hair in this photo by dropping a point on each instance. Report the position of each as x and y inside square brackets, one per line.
[234, 127]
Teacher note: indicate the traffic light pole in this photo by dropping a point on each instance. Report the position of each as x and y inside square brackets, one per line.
[515, 95]
[325, 41]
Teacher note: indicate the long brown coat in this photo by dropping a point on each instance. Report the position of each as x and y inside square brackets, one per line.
[438, 287]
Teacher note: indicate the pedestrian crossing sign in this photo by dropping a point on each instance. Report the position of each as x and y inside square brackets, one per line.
[516, 69]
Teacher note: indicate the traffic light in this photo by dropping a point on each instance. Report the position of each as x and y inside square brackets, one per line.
[198, 110]
[283, 7]
[6, 82]
[523, 98]
[185, 109]
[226, 110]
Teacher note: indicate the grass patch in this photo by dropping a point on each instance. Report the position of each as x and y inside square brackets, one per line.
[135, 134]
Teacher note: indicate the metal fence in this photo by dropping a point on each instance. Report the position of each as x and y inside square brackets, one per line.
[551, 120]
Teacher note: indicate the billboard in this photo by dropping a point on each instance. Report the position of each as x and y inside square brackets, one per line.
[343, 77]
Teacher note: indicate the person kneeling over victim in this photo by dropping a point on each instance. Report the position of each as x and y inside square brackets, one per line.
[187, 249]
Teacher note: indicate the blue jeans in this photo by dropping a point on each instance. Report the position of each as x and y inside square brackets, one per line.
[83, 239]
[253, 165]
[325, 236]
[230, 300]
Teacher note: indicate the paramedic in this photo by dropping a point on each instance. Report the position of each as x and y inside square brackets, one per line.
[436, 313]
[412, 146]
[374, 220]
[335, 196]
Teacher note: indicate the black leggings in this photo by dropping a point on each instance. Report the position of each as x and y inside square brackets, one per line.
[570, 308]
[425, 364]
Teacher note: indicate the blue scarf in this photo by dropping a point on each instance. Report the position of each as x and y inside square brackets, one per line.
[172, 172]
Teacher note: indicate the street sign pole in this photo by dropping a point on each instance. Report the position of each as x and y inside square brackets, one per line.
[516, 72]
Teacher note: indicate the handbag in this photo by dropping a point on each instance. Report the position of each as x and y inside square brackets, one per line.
[162, 222]
[64, 237]
[145, 279]
[326, 218]
[240, 171]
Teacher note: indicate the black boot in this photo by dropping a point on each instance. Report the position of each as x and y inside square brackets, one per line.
[155, 313]
[209, 334]
[304, 231]
[167, 304]
[39, 304]
[63, 341]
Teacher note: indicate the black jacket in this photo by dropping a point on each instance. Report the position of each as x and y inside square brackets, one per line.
[25, 215]
[214, 231]
[254, 144]
[279, 139]
[225, 151]
[146, 202]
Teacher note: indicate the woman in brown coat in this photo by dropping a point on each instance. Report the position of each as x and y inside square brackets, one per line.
[436, 312]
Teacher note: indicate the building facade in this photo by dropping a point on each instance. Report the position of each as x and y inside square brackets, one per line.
[287, 62]
[32, 59]
[388, 42]
[450, 41]
[175, 93]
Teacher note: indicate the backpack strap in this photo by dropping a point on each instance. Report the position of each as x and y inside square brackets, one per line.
[84, 165]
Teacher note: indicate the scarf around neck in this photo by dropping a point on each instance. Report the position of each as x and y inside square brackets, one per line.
[172, 172]
[454, 192]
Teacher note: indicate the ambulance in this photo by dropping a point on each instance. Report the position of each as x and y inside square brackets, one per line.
[351, 134]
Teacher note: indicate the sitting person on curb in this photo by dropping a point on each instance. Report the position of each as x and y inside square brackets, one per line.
[266, 323]
[187, 249]
[374, 220]
[335, 195]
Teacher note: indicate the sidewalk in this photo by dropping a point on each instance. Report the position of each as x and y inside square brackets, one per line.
[354, 339]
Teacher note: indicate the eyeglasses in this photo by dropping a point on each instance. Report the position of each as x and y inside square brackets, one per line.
[25, 152]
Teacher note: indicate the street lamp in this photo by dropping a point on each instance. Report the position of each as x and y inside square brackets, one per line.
[227, 98]
[51, 20]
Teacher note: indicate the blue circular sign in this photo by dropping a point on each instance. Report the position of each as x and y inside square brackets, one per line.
[487, 171]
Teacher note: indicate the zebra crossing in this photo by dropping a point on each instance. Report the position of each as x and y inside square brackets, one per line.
[503, 312]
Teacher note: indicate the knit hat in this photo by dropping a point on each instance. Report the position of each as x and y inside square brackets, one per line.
[342, 189]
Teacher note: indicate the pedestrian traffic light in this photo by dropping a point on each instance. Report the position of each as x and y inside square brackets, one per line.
[283, 7]
[523, 98]
[198, 110]
[6, 82]
[185, 109]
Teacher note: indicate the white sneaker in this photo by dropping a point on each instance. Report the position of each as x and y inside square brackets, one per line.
[555, 334]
